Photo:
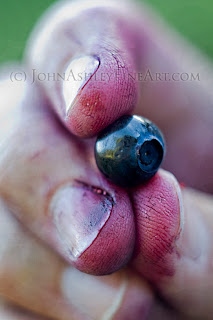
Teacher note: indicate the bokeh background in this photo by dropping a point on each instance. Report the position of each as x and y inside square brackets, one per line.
[192, 18]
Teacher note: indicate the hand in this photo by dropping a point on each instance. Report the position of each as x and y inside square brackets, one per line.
[154, 240]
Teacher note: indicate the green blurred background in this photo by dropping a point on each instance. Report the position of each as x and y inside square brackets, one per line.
[192, 18]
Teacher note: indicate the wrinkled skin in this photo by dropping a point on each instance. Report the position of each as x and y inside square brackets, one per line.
[75, 246]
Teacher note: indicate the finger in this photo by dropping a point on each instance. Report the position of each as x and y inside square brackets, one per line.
[174, 243]
[49, 179]
[137, 55]
[176, 94]
[75, 40]
[35, 278]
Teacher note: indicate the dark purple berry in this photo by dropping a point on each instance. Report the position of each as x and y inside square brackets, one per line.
[129, 151]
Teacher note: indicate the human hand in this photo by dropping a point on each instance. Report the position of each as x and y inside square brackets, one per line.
[50, 182]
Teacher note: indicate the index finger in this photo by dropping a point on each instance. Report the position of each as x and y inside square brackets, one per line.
[81, 55]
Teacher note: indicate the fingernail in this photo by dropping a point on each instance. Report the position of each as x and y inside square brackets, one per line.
[79, 213]
[96, 297]
[78, 72]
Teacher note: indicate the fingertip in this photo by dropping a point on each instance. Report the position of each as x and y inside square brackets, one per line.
[112, 249]
[108, 94]
[159, 223]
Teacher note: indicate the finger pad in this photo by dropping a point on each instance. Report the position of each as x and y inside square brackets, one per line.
[157, 211]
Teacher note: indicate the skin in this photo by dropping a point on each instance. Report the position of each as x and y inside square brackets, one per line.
[75, 246]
